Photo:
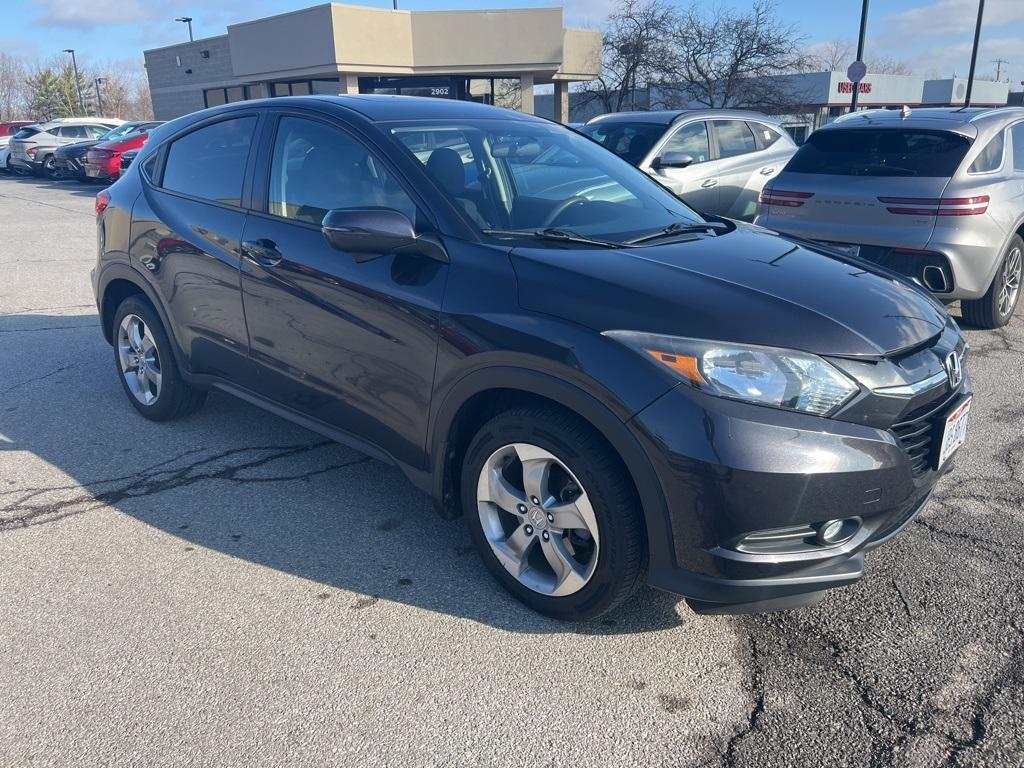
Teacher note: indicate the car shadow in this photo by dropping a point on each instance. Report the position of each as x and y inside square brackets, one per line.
[233, 480]
[75, 187]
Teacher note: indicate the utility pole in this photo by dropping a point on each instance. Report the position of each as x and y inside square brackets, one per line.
[99, 96]
[187, 20]
[860, 51]
[78, 83]
[999, 68]
[974, 53]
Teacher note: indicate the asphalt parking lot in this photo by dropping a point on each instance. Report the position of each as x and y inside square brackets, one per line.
[232, 590]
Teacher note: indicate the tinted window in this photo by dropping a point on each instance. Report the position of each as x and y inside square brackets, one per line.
[630, 141]
[734, 138]
[25, 133]
[767, 136]
[1017, 133]
[991, 157]
[880, 152]
[316, 168]
[74, 132]
[692, 140]
[210, 162]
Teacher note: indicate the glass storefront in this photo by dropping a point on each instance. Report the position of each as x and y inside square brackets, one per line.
[502, 91]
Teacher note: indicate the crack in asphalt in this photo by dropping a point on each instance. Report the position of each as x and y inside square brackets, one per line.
[756, 709]
[21, 514]
[38, 378]
[47, 328]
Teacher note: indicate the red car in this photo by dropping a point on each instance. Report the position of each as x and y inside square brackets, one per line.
[104, 160]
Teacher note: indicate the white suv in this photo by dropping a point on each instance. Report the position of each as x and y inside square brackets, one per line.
[33, 146]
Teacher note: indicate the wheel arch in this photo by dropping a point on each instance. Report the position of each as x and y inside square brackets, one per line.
[483, 393]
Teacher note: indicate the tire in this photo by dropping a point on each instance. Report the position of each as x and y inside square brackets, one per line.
[996, 307]
[48, 170]
[156, 389]
[607, 565]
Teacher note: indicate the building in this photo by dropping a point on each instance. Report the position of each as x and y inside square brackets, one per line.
[813, 99]
[492, 56]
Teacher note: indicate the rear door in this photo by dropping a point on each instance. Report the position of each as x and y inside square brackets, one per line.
[349, 342]
[697, 184]
[739, 160]
[864, 186]
[186, 235]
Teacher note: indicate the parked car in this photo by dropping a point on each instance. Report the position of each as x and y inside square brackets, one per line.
[716, 160]
[610, 387]
[103, 161]
[69, 160]
[126, 161]
[8, 129]
[934, 194]
[33, 147]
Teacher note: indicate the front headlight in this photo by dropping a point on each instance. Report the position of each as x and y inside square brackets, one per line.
[780, 378]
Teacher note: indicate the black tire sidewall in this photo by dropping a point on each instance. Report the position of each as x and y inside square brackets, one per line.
[172, 388]
[616, 512]
[984, 312]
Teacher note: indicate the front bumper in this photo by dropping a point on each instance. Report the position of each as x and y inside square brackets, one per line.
[729, 470]
[69, 166]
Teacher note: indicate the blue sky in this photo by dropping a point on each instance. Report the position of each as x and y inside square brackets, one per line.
[934, 36]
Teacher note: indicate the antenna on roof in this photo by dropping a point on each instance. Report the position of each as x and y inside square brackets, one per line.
[905, 112]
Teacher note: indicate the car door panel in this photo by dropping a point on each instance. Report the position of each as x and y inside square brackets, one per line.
[349, 343]
[697, 184]
[739, 163]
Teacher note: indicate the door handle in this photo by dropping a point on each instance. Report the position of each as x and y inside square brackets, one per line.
[708, 183]
[262, 251]
[767, 171]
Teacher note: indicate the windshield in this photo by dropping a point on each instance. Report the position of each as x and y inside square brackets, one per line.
[517, 175]
[123, 130]
[880, 152]
[630, 141]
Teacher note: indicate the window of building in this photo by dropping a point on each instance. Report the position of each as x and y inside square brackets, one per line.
[691, 140]
[210, 162]
[734, 138]
[316, 168]
[329, 87]
[991, 157]
[216, 96]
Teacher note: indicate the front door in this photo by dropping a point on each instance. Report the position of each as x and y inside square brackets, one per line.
[349, 343]
[697, 184]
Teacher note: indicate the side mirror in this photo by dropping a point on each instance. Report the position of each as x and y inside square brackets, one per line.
[369, 233]
[672, 160]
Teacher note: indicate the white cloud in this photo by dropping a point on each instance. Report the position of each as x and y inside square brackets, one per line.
[60, 13]
[947, 18]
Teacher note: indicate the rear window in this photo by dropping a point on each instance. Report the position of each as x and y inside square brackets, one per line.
[24, 133]
[882, 152]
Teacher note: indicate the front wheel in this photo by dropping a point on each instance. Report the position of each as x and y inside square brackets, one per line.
[996, 307]
[553, 513]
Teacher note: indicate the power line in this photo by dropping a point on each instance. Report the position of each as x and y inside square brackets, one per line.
[999, 67]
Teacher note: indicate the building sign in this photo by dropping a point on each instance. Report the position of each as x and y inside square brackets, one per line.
[847, 87]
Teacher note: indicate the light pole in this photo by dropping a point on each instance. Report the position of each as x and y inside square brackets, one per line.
[187, 20]
[974, 54]
[99, 96]
[78, 83]
[860, 51]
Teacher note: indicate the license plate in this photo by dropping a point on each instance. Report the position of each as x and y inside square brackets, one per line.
[954, 433]
[847, 248]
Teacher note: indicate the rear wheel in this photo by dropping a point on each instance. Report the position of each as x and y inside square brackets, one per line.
[553, 513]
[996, 307]
[49, 169]
[145, 362]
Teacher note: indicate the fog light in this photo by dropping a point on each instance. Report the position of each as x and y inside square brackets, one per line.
[833, 532]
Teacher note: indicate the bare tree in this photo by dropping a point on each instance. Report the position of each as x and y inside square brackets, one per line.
[637, 51]
[831, 56]
[13, 92]
[886, 65]
[729, 58]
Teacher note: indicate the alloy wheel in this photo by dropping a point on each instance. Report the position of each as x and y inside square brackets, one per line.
[140, 359]
[538, 519]
[1009, 285]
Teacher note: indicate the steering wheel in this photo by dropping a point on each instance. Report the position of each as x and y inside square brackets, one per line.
[561, 208]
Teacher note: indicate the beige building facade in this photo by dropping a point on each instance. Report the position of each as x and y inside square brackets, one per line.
[490, 56]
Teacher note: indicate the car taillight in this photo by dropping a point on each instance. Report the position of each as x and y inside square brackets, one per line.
[783, 197]
[102, 201]
[936, 206]
[31, 151]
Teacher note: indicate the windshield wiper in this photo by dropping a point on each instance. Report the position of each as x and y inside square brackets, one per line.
[679, 228]
[553, 233]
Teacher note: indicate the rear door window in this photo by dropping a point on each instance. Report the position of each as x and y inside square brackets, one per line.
[734, 138]
[880, 152]
[1017, 133]
[210, 162]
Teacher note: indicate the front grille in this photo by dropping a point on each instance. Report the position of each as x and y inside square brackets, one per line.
[920, 431]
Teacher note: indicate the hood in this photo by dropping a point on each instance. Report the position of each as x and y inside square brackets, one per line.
[747, 286]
